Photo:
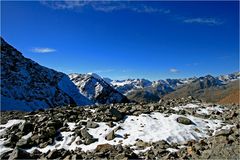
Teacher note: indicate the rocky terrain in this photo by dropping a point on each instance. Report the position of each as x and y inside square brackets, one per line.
[96, 89]
[174, 129]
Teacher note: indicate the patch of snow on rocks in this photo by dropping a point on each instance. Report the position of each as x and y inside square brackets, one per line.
[146, 127]
[137, 151]
[3, 128]
[200, 109]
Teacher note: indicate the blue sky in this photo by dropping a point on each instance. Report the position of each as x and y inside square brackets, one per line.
[152, 40]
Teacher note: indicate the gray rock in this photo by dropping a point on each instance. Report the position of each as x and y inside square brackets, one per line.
[110, 124]
[141, 144]
[85, 134]
[54, 154]
[5, 155]
[43, 145]
[36, 154]
[223, 132]
[110, 136]
[26, 128]
[121, 156]
[90, 141]
[18, 153]
[35, 138]
[51, 131]
[184, 120]
[12, 141]
[42, 119]
[161, 144]
[103, 148]
[116, 115]
[55, 123]
[91, 124]
[22, 143]
[68, 157]
[157, 151]
[206, 154]
[79, 142]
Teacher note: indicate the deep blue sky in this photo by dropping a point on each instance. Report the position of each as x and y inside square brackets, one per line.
[153, 40]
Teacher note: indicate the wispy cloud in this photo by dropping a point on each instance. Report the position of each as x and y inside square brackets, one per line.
[114, 6]
[43, 50]
[105, 6]
[208, 21]
[174, 70]
[103, 71]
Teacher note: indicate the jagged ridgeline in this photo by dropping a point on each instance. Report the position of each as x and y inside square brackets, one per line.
[26, 85]
[221, 89]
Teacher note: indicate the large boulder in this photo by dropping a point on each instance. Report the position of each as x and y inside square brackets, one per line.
[184, 120]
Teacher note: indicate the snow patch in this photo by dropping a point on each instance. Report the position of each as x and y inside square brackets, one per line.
[3, 128]
[147, 127]
[200, 109]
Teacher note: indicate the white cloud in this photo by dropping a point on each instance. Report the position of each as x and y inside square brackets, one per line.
[105, 6]
[174, 70]
[113, 6]
[43, 50]
[209, 21]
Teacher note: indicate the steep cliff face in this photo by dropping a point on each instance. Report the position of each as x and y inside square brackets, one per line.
[26, 85]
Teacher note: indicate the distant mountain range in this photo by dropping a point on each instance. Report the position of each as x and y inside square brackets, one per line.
[211, 89]
[207, 88]
[26, 85]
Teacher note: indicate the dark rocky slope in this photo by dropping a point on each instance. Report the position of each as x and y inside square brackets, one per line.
[26, 85]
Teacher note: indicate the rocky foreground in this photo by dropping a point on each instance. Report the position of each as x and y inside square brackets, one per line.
[174, 129]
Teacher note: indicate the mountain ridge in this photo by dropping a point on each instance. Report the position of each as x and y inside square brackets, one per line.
[96, 89]
[26, 85]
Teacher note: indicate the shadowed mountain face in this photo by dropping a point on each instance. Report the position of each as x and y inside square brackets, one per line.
[26, 85]
[97, 89]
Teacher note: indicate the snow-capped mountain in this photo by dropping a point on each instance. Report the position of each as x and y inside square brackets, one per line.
[210, 89]
[97, 89]
[172, 83]
[229, 77]
[126, 86]
[130, 85]
[26, 85]
[142, 90]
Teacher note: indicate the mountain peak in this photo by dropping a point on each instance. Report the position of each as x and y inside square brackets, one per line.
[94, 75]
